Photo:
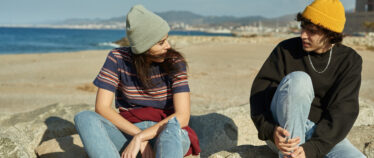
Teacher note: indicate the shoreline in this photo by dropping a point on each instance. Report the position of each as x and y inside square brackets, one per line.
[358, 43]
[41, 93]
[29, 81]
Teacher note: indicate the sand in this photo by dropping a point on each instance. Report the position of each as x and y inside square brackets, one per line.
[221, 71]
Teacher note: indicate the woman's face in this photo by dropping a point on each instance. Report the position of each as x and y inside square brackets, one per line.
[157, 52]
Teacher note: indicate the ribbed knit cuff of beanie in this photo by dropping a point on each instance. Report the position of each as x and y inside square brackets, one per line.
[329, 14]
[144, 29]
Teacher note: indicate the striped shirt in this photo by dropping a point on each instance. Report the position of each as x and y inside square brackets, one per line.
[119, 76]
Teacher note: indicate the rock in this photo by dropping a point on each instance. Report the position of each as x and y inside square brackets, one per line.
[225, 133]
[246, 151]
[10, 148]
[366, 115]
[21, 133]
[249, 145]
[224, 130]
[369, 150]
[362, 137]
[123, 42]
[68, 146]
[367, 42]
[215, 131]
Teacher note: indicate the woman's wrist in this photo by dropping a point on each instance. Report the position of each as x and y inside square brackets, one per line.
[139, 137]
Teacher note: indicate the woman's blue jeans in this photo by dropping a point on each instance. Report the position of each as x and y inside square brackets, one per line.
[290, 108]
[101, 139]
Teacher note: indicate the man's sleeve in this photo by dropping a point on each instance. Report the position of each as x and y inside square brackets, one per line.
[341, 112]
[263, 89]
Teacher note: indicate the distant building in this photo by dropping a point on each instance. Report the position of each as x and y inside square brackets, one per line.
[364, 13]
[371, 5]
[364, 6]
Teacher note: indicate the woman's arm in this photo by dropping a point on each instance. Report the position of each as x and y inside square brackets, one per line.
[182, 113]
[103, 107]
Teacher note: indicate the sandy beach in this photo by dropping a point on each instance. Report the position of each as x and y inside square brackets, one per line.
[221, 71]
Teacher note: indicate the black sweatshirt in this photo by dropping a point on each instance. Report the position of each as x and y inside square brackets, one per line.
[335, 106]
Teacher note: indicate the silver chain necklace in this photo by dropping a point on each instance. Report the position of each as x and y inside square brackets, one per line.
[328, 63]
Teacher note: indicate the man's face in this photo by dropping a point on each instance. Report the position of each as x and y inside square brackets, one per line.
[313, 38]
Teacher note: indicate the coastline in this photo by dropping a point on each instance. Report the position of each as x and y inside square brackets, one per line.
[221, 71]
[35, 80]
[30, 81]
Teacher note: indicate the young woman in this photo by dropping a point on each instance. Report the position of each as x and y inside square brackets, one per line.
[149, 82]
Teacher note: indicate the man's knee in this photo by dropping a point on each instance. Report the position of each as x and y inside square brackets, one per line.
[300, 78]
[300, 83]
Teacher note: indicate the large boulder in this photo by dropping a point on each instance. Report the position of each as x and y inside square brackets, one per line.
[246, 151]
[63, 147]
[249, 146]
[225, 133]
[21, 133]
[216, 132]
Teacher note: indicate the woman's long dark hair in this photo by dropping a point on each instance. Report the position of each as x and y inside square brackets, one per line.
[143, 66]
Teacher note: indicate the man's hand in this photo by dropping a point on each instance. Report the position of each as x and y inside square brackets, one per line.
[284, 144]
[298, 153]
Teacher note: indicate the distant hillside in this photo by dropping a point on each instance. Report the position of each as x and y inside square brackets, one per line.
[356, 22]
[199, 20]
[279, 21]
[175, 17]
[81, 21]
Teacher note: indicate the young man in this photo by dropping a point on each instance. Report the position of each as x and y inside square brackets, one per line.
[304, 100]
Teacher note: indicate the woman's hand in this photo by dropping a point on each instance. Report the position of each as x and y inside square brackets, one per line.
[137, 145]
[285, 145]
[132, 149]
[146, 150]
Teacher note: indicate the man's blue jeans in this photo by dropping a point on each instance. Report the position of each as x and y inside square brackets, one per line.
[101, 139]
[290, 108]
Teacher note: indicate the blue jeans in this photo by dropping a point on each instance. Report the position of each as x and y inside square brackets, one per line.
[102, 139]
[290, 109]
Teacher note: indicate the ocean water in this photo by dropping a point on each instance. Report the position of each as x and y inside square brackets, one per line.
[45, 40]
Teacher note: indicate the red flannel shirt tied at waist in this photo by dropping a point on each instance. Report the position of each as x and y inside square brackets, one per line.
[156, 115]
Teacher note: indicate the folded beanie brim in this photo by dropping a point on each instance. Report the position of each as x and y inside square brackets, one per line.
[144, 29]
[319, 18]
[149, 38]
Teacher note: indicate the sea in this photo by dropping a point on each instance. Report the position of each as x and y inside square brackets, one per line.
[47, 40]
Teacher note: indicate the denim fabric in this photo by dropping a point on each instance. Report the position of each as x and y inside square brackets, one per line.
[290, 108]
[172, 141]
[101, 139]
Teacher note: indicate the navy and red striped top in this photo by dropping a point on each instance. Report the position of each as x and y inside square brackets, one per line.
[119, 76]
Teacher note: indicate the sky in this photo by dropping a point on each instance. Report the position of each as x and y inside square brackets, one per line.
[44, 11]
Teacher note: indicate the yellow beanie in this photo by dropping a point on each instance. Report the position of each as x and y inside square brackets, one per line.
[329, 14]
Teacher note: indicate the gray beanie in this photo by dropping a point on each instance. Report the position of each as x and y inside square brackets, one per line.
[144, 29]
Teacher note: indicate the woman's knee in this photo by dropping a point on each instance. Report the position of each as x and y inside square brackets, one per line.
[172, 129]
[171, 139]
[84, 116]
